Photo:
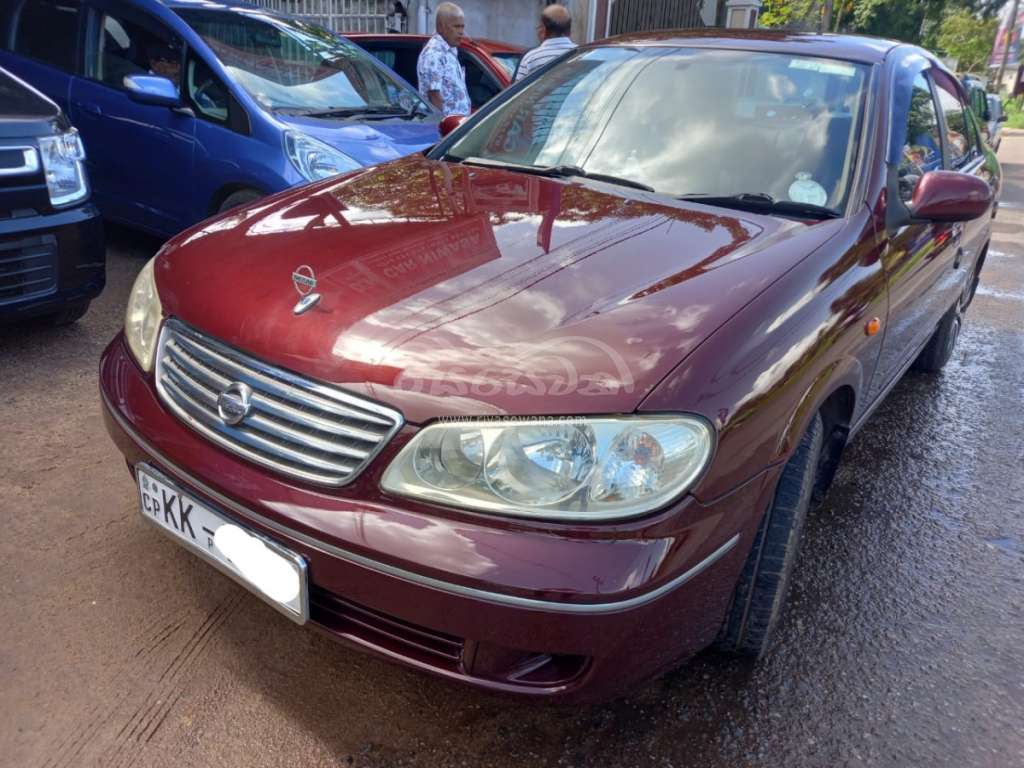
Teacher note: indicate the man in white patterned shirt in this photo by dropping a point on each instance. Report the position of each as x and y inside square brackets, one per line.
[442, 81]
[553, 31]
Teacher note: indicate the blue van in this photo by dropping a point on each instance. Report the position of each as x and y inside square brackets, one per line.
[190, 107]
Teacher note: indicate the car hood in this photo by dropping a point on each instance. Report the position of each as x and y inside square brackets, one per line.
[370, 142]
[455, 290]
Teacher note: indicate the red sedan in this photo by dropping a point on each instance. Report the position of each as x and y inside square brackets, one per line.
[490, 65]
[544, 409]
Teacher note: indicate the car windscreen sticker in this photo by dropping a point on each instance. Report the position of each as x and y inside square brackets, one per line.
[807, 190]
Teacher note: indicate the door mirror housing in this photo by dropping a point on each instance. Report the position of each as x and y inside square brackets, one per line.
[450, 123]
[152, 89]
[950, 196]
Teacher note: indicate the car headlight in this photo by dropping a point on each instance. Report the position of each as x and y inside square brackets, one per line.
[63, 157]
[314, 159]
[579, 469]
[142, 317]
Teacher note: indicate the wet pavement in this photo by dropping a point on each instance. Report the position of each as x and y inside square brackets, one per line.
[902, 643]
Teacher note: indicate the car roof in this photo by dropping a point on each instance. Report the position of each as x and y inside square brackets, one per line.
[484, 43]
[869, 50]
[218, 5]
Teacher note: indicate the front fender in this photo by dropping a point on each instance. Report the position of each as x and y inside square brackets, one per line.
[761, 377]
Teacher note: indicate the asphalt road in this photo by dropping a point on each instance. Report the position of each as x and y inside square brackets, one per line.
[901, 645]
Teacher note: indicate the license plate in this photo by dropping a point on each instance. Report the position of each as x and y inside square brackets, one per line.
[263, 566]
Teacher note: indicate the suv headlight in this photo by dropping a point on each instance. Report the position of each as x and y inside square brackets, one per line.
[63, 157]
[577, 469]
[142, 317]
[314, 159]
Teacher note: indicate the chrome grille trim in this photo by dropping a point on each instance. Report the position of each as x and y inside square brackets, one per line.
[298, 427]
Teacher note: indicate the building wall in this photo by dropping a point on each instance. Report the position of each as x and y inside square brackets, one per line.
[512, 21]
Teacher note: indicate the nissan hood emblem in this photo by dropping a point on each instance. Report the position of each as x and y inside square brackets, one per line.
[304, 280]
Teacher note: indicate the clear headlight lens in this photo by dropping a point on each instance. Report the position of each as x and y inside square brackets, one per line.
[583, 469]
[142, 317]
[63, 157]
[314, 159]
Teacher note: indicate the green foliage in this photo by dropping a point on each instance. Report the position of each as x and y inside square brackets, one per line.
[913, 21]
[1014, 113]
[968, 38]
[791, 14]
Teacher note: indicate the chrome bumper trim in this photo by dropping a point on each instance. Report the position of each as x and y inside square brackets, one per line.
[440, 585]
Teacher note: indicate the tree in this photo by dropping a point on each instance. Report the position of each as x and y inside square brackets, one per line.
[967, 38]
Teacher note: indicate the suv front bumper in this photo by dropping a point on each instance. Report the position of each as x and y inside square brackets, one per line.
[50, 261]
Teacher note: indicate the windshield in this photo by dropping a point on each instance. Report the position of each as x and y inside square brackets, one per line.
[687, 121]
[287, 64]
[508, 62]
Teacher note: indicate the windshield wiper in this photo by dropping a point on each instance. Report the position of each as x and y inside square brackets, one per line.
[557, 171]
[761, 202]
[348, 111]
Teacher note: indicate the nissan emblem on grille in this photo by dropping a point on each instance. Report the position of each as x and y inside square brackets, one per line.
[305, 281]
[234, 403]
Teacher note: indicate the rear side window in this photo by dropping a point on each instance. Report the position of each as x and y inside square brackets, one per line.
[47, 30]
[922, 151]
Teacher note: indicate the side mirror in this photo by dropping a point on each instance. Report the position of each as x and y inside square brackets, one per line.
[1002, 118]
[152, 89]
[950, 196]
[450, 123]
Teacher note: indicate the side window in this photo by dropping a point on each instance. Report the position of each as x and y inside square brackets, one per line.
[959, 144]
[125, 47]
[479, 83]
[974, 133]
[922, 151]
[47, 30]
[386, 56]
[206, 93]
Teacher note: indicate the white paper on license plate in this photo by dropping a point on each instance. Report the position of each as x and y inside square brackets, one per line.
[271, 571]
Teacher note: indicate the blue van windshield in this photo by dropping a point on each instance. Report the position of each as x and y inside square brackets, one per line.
[291, 65]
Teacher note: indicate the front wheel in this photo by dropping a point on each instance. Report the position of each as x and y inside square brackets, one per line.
[241, 197]
[939, 349]
[761, 591]
[69, 314]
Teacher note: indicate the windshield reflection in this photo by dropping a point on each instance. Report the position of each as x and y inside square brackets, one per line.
[688, 121]
[294, 65]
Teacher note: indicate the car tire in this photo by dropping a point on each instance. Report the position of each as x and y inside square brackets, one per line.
[761, 590]
[241, 197]
[939, 349]
[970, 289]
[72, 313]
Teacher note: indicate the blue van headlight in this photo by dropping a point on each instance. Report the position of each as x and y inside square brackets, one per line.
[314, 159]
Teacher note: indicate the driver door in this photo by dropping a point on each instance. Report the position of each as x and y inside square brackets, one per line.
[139, 155]
[919, 258]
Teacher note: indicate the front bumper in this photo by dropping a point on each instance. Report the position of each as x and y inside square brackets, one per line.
[580, 612]
[49, 261]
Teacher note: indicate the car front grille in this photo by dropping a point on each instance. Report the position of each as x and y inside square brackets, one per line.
[296, 426]
[28, 267]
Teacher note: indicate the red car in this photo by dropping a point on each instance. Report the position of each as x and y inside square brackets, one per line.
[490, 65]
[543, 410]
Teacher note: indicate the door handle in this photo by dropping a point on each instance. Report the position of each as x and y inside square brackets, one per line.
[89, 107]
[958, 259]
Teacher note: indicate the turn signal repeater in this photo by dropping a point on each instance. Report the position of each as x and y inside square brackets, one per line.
[872, 326]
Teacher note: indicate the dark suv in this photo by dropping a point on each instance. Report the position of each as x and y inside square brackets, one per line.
[51, 238]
